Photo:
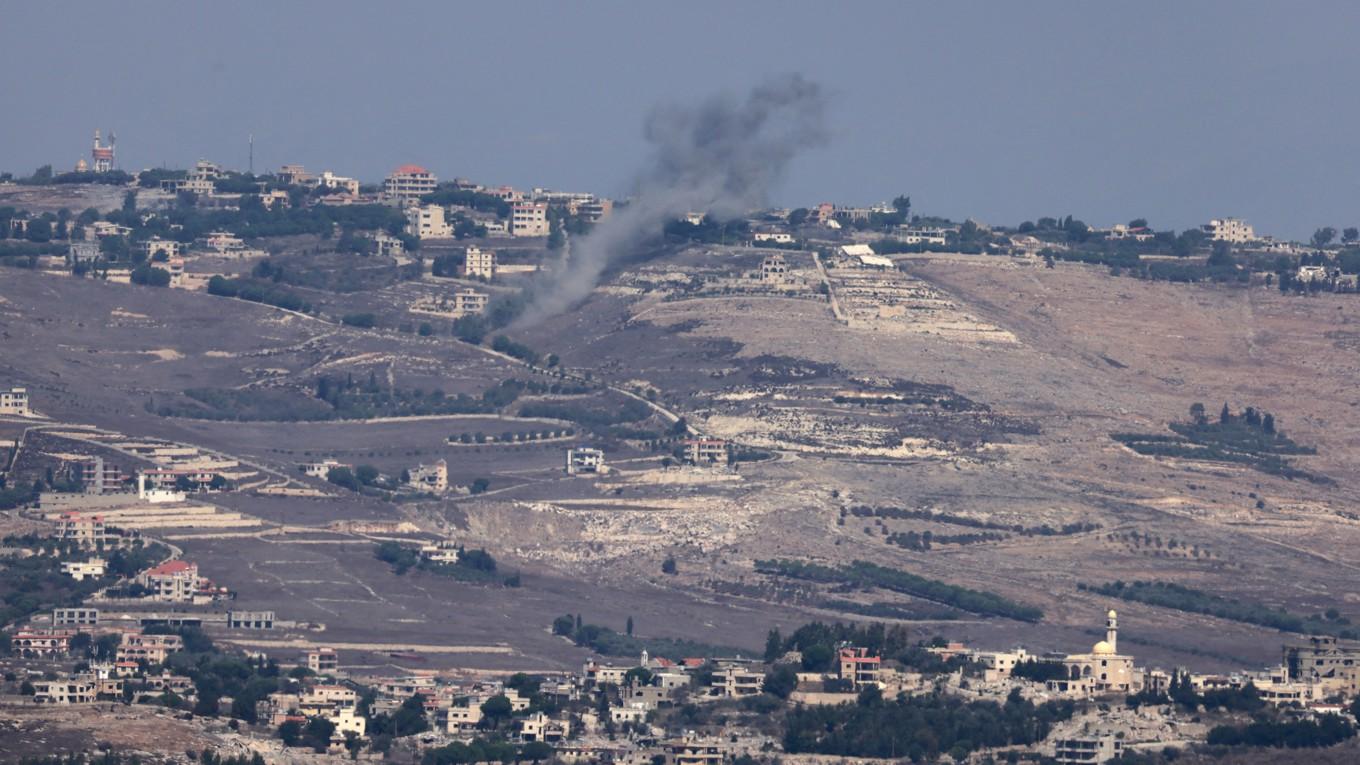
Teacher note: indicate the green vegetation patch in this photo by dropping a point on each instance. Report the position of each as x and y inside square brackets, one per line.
[865, 574]
[1248, 438]
[607, 642]
[1182, 598]
[920, 728]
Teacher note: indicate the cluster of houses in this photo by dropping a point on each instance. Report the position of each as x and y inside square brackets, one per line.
[581, 714]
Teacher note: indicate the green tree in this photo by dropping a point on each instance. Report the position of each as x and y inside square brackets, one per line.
[496, 710]
[902, 205]
[1323, 236]
[668, 566]
[290, 732]
[537, 751]
[629, 627]
[318, 733]
[781, 681]
[774, 645]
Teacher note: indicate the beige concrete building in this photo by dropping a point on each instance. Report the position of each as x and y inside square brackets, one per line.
[321, 660]
[734, 680]
[175, 581]
[1103, 670]
[706, 451]
[152, 649]
[1232, 230]
[70, 691]
[171, 248]
[529, 219]
[75, 616]
[859, 666]
[409, 182]
[88, 531]
[774, 269]
[433, 477]
[479, 263]
[14, 401]
[428, 222]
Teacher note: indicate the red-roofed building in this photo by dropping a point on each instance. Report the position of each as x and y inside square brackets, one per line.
[859, 666]
[174, 581]
[409, 182]
[34, 643]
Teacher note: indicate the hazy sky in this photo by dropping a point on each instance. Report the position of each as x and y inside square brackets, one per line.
[1175, 111]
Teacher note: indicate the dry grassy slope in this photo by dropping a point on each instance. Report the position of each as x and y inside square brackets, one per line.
[1096, 355]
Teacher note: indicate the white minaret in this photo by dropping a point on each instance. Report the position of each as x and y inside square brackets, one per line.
[1112, 630]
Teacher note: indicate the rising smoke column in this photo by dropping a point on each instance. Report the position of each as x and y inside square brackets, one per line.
[719, 157]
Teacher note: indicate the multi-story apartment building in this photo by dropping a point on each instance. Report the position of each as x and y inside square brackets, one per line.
[152, 649]
[1232, 230]
[859, 666]
[706, 451]
[428, 222]
[175, 581]
[409, 182]
[479, 263]
[529, 219]
[85, 530]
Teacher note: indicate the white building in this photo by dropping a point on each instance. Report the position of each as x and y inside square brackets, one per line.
[584, 460]
[1232, 230]
[428, 222]
[778, 237]
[856, 250]
[80, 571]
[14, 401]
[320, 469]
[529, 219]
[444, 551]
[909, 235]
[409, 182]
[171, 248]
[338, 182]
[479, 263]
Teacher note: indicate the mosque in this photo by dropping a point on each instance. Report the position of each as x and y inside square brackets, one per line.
[1103, 670]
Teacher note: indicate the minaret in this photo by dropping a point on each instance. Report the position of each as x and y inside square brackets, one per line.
[1112, 630]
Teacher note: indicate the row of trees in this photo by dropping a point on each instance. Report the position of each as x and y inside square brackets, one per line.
[921, 727]
[866, 574]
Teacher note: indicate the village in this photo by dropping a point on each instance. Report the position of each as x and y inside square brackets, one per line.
[110, 609]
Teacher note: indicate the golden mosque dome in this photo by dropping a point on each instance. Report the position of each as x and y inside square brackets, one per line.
[1111, 614]
[1102, 649]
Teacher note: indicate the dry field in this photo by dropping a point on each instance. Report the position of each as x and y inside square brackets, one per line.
[1038, 366]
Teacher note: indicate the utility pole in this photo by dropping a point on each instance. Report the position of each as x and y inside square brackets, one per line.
[252, 153]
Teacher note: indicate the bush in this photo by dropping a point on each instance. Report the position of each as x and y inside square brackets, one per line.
[361, 320]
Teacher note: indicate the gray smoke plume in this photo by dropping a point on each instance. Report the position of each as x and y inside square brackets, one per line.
[719, 157]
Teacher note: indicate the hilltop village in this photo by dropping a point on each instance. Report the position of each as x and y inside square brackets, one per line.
[288, 476]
